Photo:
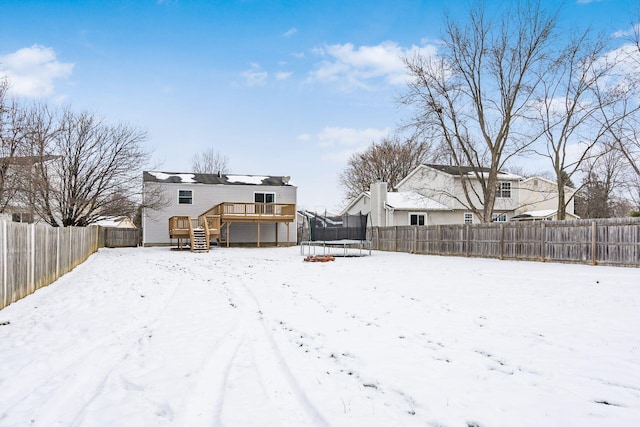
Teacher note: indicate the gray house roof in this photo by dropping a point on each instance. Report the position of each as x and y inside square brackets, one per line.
[207, 178]
[469, 171]
[456, 170]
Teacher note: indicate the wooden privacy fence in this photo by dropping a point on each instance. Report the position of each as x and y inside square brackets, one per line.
[614, 241]
[35, 255]
[111, 237]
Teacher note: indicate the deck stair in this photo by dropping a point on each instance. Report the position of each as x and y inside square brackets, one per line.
[199, 241]
[182, 228]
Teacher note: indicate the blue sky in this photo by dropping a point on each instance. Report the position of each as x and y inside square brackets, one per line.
[280, 87]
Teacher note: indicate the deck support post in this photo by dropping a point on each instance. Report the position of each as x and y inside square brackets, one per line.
[258, 233]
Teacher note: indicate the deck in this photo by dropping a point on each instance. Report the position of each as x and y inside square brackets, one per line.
[224, 214]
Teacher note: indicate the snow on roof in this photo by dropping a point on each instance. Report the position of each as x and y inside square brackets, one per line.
[246, 179]
[217, 178]
[412, 200]
[183, 177]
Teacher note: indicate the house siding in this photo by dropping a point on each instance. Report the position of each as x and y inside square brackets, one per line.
[205, 196]
[448, 190]
[540, 194]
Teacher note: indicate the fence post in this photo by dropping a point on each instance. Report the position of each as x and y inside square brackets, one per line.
[395, 238]
[501, 241]
[415, 239]
[32, 258]
[542, 241]
[5, 285]
[439, 240]
[57, 252]
[377, 238]
[594, 243]
[467, 228]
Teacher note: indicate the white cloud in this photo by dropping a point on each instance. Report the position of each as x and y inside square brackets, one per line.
[357, 67]
[627, 33]
[283, 75]
[255, 76]
[331, 136]
[290, 32]
[32, 71]
[340, 143]
[625, 58]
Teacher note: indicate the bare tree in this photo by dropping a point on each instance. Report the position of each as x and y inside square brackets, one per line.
[96, 172]
[38, 153]
[566, 116]
[627, 131]
[210, 161]
[389, 160]
[12, 137]
[474, 96]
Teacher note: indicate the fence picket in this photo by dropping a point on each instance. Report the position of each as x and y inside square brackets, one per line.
[612, 241]
[35, 255]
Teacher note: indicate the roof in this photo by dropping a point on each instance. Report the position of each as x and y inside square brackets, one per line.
[411, 200]
[468, 170]
[115, 221]
[548, 181]
[404, 200]
[536, 214]
[211, 178]
[27, 160]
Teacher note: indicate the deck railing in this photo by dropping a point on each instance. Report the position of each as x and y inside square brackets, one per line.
[180, 226]
[255, 211]
[210, 224]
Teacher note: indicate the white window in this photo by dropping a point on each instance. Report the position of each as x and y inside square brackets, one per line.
[185, 197]
[495, 217]
[22, 217]
[417, 219]
[468, 218]
[504, 190]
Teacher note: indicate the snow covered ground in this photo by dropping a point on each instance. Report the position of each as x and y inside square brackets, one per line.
[257, 337]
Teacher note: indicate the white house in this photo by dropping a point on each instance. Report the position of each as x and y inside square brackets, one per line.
[248, 205]
[395, 208]
[115, 222]
[434, 194]
[539, 200]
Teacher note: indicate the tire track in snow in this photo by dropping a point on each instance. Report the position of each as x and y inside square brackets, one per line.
[284, 367]
[256, 363]
[78, 373]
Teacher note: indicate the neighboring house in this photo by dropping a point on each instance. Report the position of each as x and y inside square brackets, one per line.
[116, 222]
[539, 200]
[18, 178]
[395, 208]
[189, 194]
[434, 194]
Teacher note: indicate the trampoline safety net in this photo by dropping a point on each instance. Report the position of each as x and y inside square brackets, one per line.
[347, 227]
